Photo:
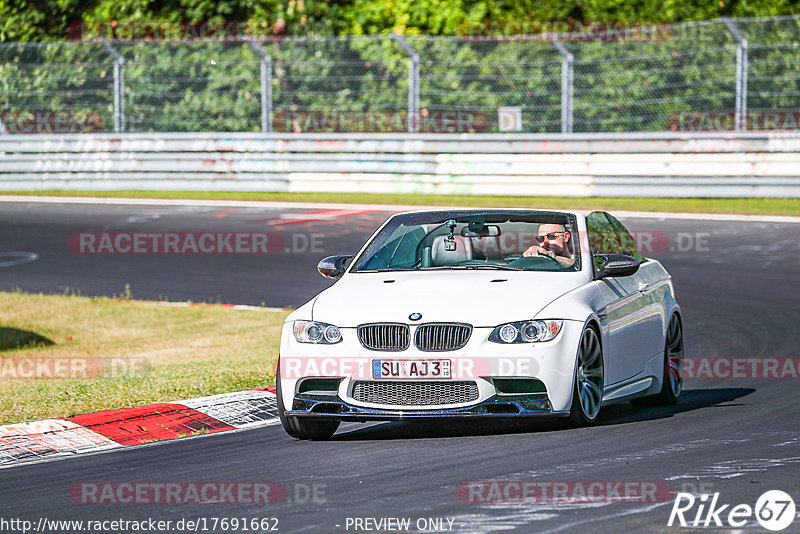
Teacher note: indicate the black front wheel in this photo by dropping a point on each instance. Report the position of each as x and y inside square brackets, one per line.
[587, 389]
[299, 427]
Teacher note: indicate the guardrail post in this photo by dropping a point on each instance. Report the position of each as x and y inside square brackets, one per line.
[119, 88]
[567, 79]
[413, 82]
[266, 86]
[741, 73]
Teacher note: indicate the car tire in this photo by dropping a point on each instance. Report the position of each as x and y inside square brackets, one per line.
[298, 427]
[587, 387]
[672, 379]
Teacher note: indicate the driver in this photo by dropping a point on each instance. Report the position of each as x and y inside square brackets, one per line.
[554, 240]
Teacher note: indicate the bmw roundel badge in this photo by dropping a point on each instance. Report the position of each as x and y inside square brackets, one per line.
[415, 316]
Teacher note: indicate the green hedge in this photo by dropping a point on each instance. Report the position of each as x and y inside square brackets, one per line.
[212, 86]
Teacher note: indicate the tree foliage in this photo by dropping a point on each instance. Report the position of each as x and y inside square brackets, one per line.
[38, 20]
[216, 86]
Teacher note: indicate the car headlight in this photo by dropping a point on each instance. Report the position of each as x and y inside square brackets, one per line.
[526, 331]
[314, 332]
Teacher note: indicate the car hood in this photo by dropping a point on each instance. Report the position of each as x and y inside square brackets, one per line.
[480, 298]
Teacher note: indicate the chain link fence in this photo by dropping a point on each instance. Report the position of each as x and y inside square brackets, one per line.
[717, 74]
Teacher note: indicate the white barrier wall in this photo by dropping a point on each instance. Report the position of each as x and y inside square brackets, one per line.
[657, 164]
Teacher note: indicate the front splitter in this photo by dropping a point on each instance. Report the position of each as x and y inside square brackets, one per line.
[333, 407]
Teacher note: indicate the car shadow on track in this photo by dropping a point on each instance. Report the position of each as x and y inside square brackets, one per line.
[623, 413]
[14, 338]
[692, 399]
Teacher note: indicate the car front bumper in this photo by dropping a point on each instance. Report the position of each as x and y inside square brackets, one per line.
[333, 407]
[552, 363]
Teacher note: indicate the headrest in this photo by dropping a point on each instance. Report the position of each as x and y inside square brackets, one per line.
[440, 256]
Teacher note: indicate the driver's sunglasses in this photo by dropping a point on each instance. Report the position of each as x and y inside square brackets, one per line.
[550, 236]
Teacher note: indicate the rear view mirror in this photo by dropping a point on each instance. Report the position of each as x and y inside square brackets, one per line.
[489, 230]
[615, 265]
[333, 266]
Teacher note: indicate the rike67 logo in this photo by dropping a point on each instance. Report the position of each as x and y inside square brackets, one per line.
[774, 510]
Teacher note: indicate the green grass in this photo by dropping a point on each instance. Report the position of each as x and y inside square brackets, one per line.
[749, 206]
[172, 353]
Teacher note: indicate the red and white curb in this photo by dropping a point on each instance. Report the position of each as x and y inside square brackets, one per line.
[109, 429]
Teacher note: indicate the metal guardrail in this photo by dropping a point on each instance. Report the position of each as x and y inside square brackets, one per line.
[657, 164]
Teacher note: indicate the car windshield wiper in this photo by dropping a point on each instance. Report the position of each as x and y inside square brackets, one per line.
[492, 266]
[467, 267]
[385, 270]
[442, 268]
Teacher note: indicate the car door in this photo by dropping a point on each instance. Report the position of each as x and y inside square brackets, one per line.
[628, 318]
[647, 316]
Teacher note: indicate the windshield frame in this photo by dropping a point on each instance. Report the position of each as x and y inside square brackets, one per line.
[431, 217]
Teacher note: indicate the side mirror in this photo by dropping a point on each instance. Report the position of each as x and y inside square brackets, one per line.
[333, 266]
[615, 265]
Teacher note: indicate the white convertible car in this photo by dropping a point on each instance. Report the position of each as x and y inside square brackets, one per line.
[482, 313]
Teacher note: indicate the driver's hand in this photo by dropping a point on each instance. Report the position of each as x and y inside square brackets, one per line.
[535, 250]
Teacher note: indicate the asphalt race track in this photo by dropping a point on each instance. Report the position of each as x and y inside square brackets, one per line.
[737, 283]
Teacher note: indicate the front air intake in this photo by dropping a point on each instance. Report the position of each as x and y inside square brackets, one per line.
[406, 393]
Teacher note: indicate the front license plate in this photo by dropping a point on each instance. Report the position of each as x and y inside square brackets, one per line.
[411, 369]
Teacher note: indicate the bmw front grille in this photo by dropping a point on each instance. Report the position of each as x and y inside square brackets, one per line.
[431, 337]
[384, 336]
[436, 337]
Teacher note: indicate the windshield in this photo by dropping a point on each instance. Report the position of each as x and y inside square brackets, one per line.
[449, 240]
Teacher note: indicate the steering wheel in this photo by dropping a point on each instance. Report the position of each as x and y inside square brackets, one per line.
[471, 262]
[548, 256]
[527, 262]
